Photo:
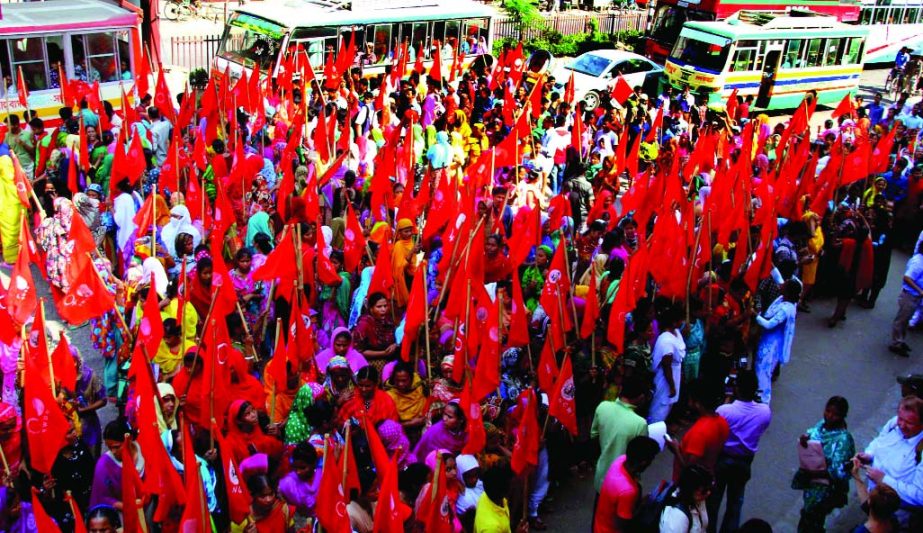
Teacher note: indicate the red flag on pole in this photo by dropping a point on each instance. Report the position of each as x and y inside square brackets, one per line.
[845, 107]
[331, 498]
[132, 501]
[391, 512]
[353, 241]
[162, 99]
[477, 436]
[195, 515]
[43, 522]
[435, 501]
[46, 426]
[150, 328]
[62, 361]
[86, 298]
[518, 334]
[238, 496]
[435, 70]
[547, 365]
[621, 92]
[416, 311]
[21, 298]
[562, 405]
[655, 127]
[21, 89]
[525, 450]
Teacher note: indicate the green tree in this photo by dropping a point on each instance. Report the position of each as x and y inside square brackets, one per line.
[525, 13]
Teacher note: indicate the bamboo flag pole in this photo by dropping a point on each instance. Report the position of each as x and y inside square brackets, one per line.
[346, 457]
[429, 359]
[41, 309]
[272, 399]
[211, 380]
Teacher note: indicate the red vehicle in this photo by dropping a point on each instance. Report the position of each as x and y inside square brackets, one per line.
[670, 15]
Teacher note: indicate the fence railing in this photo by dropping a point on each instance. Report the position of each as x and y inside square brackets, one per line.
[192, 52]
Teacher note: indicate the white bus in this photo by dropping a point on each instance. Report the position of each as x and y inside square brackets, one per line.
[256, 34]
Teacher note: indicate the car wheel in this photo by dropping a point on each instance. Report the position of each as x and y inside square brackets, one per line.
[592, 100]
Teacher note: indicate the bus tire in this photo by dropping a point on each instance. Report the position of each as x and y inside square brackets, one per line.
[591, 100]
[172, 11]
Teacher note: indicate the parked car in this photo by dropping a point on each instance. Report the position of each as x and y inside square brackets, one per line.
[596, 71]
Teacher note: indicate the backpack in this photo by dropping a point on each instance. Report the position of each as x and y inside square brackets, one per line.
[647, 516]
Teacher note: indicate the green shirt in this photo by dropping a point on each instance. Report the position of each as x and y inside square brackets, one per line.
[615, 424]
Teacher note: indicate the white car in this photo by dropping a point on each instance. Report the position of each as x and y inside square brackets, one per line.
[595, 73]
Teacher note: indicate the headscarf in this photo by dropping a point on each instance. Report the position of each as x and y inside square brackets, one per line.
[461, 123]
[183, 224]
[353, 357]
[440, 152]
[153, 266]
[164, 424]
[258, 223]
[239, 442]
[297, 428]
[338, 226]
[355, 309]
[328, 236]
[395, 441]
[598, 265]
[335, 363]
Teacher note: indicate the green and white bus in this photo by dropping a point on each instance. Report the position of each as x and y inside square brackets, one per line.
[257, 33]
[775, 57]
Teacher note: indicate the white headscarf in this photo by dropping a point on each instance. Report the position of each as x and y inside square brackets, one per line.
[183, 224]
[150, 266]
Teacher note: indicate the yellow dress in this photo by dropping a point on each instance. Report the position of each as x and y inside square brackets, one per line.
[11, 214]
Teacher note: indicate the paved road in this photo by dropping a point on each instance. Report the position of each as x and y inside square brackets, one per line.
[851, 361]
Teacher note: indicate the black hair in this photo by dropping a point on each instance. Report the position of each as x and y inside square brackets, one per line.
[755, 525]
[304, 451]
[243, 252]
[205, 262]
[747, 385]
[368, 372]
[319, 413]
[691, 479]
[497, 482]
[641, 450]
[263, 243]
[633, 388]
[258, 483]
[104, 511]
[116, 430]
[401, 366]
[374, 298]
[171, 328]
[840, 404]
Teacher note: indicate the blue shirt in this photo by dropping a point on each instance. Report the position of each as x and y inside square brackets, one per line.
[901, 59]
[914, 271]
[876, 113]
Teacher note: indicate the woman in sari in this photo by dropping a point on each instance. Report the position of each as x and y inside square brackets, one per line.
[340, 381]
[450, 433]
[341, 346]
[775, 345]
[406, 389]
[373, 335]
[180, 222]
[250, 293]
[371, 402]
[258, 223]
[828, 489]
[533, 277]
[52, 235]
[496, 263]
[107, 475]
[444, 389]
[297, 428]
[166, 408]
[403, 261]
[268, 514]
[200, 286]
[245, 437]
[91, 397]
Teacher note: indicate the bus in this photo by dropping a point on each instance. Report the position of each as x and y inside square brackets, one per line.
[774, 57]
[87, 40]
[670, 16]
[256, 34]
[897, 23]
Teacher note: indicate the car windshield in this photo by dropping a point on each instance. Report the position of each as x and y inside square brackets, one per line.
[589, 64]
[251, 41]
[696, 53]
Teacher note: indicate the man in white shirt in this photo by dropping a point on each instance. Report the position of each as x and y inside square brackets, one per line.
[893, 457]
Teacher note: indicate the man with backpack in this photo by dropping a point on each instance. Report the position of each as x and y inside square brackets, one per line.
[621, 487]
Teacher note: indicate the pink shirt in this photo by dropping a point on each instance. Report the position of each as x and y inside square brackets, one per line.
[617, 498]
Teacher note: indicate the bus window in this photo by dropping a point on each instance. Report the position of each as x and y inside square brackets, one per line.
[122, 45]
[853, 52]
[379, 37]
[706, 56]
[420, 38]
[451, 31]
[880, 14]
[831, 49]
[792, 53]
[315, 41]
[101, 56]
[29, 55]
[474, 31]
[866, 16]
[745, 56]
[251, 41]
[813, 57]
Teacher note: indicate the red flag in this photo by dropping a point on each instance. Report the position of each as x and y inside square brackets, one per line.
[435, 509]
[391, 512]
[487, 372]
[556, 290]
[331, 499]
[72, 183]
[21, 298]
[518, 334]
[621, 92]
[569, 89]
[79, 524]
[223, 217]
[435, 71]
[132, 502]
[43, 522]
[591, 310]
[655, 126]
[857, 162]
[199, 152]
[353, 241]
[382, 278]
[326, 272]
[221, 279]
[162, 99]
[320, 137]
[142, 76]
[525, 451]
[418, 64]
[66, 99]
[86, 298]
[562, 405]
[195, 515]
[134, 159]
[731, 106]
[46, 426]
[547, 365]
[22, 89]
[150, 329]
[576, 133]
[477, 436]
[84, 149]
[238, 496]
[281, 263]
[23, 185]
[416, 311]
[845, 107]
[62, 361]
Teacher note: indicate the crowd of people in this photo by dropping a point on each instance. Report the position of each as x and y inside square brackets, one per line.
[421, 302]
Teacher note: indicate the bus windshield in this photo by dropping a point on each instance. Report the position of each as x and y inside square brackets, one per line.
[589, 64]
[706, 56]
[669, 21]
[251, 41]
